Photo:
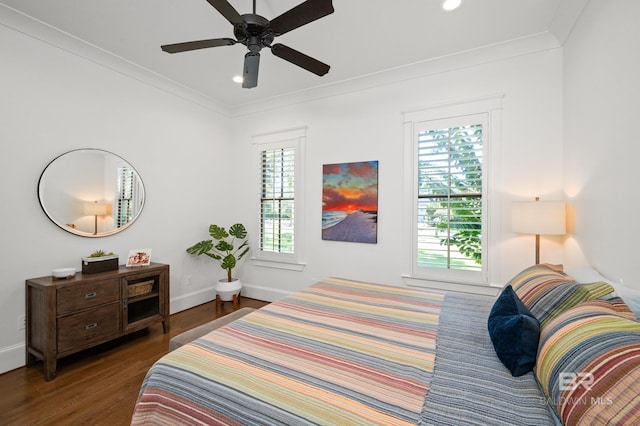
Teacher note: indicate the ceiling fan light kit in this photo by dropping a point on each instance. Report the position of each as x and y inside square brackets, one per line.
[449, 5]
[257, 32]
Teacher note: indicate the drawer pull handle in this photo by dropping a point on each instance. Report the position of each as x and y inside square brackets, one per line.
[90, 295]
[90, 326]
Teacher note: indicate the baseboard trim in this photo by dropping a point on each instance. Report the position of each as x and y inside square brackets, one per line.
[206, 295]
[12, 357]
[189, 300]
[268, 294]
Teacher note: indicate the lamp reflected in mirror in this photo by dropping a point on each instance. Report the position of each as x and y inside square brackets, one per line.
[539, 218]
[95, 209]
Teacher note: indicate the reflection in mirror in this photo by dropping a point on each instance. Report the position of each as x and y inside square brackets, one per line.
[91, 192]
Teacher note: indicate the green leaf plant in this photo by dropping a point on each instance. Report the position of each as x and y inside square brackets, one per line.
[101, 253]
[226, 251]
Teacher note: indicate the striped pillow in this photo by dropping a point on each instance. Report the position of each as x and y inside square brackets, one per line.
[547, 292]
[614, 305]
[589, 365]
[538, 279]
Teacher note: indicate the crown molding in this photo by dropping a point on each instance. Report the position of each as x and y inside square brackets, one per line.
[45, 33]
[500, 51]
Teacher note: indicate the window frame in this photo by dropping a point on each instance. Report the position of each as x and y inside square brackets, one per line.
[289, 138]
[413, 123]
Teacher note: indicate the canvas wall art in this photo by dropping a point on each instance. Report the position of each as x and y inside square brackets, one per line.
[350, 202]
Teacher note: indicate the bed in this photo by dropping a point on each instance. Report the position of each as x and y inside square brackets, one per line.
[355, 353]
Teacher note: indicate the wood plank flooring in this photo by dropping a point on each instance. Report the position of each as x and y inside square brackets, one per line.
[98, 386]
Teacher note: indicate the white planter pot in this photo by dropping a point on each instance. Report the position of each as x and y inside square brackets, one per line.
[226, 290]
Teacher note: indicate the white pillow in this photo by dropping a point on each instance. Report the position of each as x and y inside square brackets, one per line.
[587, 274]
[631, 296]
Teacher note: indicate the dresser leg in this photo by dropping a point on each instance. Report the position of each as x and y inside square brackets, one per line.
[31, 359]
[49, 366]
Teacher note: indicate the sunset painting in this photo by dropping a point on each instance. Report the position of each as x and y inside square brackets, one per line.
[350, 202]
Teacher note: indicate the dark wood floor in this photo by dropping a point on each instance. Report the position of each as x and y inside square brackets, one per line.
[98, 386]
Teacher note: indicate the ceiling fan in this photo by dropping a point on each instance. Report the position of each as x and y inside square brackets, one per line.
[256, 32]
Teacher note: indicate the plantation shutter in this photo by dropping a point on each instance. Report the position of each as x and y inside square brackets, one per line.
[125, 196]
[450, 195]
[277, 202]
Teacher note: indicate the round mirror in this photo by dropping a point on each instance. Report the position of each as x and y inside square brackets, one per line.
[90, 192]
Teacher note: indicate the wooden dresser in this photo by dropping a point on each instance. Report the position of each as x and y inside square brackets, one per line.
[70, 315]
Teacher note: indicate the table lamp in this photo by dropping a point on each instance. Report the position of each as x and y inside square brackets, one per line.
[539, 218]
[95, 209]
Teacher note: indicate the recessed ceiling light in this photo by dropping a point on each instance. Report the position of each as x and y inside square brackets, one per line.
[450, 5]
[238, 79]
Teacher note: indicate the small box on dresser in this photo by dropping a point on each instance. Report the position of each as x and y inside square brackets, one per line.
[94, 265]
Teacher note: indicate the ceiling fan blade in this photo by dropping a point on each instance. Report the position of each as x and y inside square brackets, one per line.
[250, 70]
[227, 11]
[300, 15]
[300, 59]
[199, 44]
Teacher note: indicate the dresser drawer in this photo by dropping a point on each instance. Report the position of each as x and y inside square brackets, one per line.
[83, 296]
[87, 328]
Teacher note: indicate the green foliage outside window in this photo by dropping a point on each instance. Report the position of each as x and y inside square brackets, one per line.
[450, 197]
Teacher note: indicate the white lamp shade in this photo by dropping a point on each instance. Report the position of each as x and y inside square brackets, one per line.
[95, 209]
[539, 217]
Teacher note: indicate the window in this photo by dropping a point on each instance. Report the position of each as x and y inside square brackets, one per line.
[450, 194]
[279, 240]
[449, 169]
[277, 201]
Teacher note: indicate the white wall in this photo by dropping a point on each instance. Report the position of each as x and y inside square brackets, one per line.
[54, 101]
[601, 108]
[197, 164]
[367, 125]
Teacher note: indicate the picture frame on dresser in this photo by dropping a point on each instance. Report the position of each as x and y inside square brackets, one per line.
[139, 257]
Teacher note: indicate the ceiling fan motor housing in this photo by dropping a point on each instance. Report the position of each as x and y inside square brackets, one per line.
[254, 33]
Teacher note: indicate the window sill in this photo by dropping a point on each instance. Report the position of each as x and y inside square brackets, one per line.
[441, 285]
[289, 266]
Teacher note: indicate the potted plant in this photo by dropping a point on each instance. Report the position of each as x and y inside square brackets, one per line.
[227, 251]
[99, 261]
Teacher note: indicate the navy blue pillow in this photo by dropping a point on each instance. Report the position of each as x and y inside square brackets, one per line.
[514, 332]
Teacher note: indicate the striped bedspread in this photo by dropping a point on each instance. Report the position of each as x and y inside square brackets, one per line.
[337, 352]
[470, 386]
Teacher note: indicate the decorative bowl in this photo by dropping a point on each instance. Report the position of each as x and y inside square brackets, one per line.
[64, 273]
